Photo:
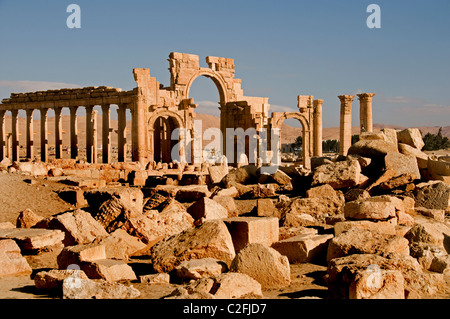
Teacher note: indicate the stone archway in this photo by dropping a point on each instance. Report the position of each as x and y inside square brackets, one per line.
[277, 120]
[215, 77]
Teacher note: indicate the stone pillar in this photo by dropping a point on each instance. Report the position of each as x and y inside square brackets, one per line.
[44, 135]
[121, 133]
[89, 135]
[29, 132]
[345, 133]
[2, 135]
[317, 127]
[106, 138]
[58, 133]
[73, 132]
[94, 136]
[365, 109]
[15, 135]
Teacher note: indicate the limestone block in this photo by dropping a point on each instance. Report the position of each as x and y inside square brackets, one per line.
[372, 148]
[98, 289]
[391, 135]
[80, 253]
[384, 227]
[433, 195]
[338, 175]
[217, 173]
[129, 196]
[421, 157]
[53, 279]
[155, 279]
[247, 230]
[229, 204]
[27, 219]
[264, 264]
[211, 239]
[30, 239]
[200, 268]
[441, 264]
[362, 241]
[266, 208]
[230, 191]
[191, 193]
[402, 164]
[375, 208]
[242, 175]
[113, 213]
[79, 227]
[12, 263]
[376, 283]
[412, 137]
[108, 269]
[121, 245]
[281, 177]
[208, 209]
[430, 231]
[304, 248]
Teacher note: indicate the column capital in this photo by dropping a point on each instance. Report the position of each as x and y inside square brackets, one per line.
[346, 98]
[317, 102]
[365, 96]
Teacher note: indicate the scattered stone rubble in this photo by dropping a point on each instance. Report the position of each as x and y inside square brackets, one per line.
[377, 218]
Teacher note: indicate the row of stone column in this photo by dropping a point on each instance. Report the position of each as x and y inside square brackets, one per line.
[91, 134]
[366, 125]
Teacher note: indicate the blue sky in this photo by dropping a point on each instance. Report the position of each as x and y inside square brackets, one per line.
[281, 49]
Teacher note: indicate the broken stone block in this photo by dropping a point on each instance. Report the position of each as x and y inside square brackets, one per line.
[120, 245]
[192, 193]
[229, 204]
[247, 230]
[156, 201]
[217, 173]
[266, 208]
[242, 175]
[113, 213]
[402, 165]
[7, 225]
[75, 255]
[375, 208]
[425, 253]
[421, 157]
[412, 137]
[356, 194]
[224, 286]
[53, 279]
[304, 248]
[12, 263]
[362, 241]
[231, 191]
[27, 219]
[108, 269]
[441, 264]
[129, 196]
[211, 239]
[264, 264]
[155, 279]
[138, 178]
[97, 289]
[263, 190]
[376, 283]
[208, 209]
[390, 135]
[436, 214]
[281, 178]
[79, 227]
[199, 268]
[33, 239]
[433, 195]
[430, 231]
[384, 227]
[288, 232]
[154, 226]
[372, 148]
[339, 174]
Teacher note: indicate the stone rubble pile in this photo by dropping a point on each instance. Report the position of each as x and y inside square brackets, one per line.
[374, 218]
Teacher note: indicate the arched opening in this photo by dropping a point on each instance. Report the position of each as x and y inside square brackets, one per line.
[162, 142]
[291, 135]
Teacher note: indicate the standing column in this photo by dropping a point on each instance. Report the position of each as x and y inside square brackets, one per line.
[29, 132]
[345, 134]
[317, 130]
[121, 137]
[2, 135]
[94, 136]
[106, 139]
[15, 135]
[44, 136]
[73, 132]
[365, 109]
[58, 133]
[89, 135]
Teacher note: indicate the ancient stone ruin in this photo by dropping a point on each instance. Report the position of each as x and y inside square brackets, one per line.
[369, 222]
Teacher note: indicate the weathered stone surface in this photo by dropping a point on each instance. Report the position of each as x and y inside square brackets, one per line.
[436, 214]
[356, 194]
[264, 264]
[200, 268]
[211, 239]
[266, 208]
[231, 191]
[217, 173]
[384, 227]
[338, 175]
[425, 253]
[120, 245]
[372, 148]
[229, 204]
[97, 289]
[412, 137]
[376, 208]
[113, 213]
[208, 209]
[129, 196]
[192, 193]
[402, 164]
[247, 230]
[155, 279]
[75, 255]
[33, 238]
[434, 195]
[421, 157]
[154, 225]
[441, 264]
[79, 227]
[281, 177]
[12, 263]
[53, 279]
[242, 175]
[34, 168]
[263, 190]
[7, 225]
[27, 219]
[304, 248]
[430, 231]
[362, 241]
[376, 283]
[224, 286]
[108, 269]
